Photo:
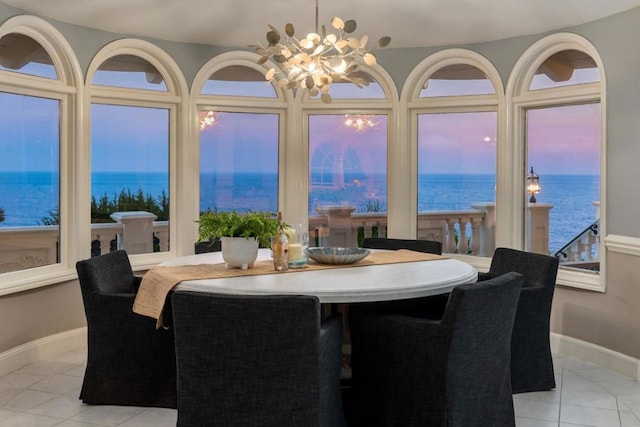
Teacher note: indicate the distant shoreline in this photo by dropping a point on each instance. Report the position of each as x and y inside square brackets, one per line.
[27, 198]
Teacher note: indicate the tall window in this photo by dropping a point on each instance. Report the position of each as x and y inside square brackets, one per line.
[347, 163]
[132, 116]
[239, 162]
[456, 153]
[563, 144]
[30, 142]
[129, 162]
[455, 110]
[560, 108]
[240, 125]
[563, 148]
[30, 176]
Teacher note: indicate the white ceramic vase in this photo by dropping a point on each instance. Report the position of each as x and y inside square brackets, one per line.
[239, 252]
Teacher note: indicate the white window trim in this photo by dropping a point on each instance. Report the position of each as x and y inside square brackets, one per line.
[415, 105]
[175, 100]
[389, 106]
[68, 90]
[279, 105]
[519, 98]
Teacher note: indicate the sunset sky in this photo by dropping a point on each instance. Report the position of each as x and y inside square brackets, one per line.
[561, 140]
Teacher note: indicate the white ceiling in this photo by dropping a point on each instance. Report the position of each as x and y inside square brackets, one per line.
[409, 23]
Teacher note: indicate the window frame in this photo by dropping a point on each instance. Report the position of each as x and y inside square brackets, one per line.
[306, 106]
[174, 100]
[416, 105]
[519, 99]
[67, 90]
[280, 105]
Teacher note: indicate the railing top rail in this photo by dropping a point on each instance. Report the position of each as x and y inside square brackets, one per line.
[29, 229]
[593, 228]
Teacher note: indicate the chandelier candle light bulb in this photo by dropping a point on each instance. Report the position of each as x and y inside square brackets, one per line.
[317, 61]
[359, 122]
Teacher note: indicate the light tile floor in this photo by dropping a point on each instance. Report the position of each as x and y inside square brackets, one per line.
[46, 393]
[585, 395]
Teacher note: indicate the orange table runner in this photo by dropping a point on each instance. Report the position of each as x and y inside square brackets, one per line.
[159, 281]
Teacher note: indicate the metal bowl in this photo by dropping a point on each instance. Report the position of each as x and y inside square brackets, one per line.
[335, 255]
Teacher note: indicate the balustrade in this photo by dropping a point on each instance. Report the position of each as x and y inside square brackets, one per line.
[469, 232]
[583, 250]
[459, 231]
[28, 247]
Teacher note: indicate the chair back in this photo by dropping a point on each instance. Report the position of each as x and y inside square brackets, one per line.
[531, 358]
[427, 246]
[129, 362]
[208, 246]
[247, 360]
[480, 317]
[539, 270]
[108, 273]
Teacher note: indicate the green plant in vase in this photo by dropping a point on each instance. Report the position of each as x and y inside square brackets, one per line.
[259, 225]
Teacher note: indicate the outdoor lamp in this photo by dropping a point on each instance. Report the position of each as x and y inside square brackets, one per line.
[533, 185]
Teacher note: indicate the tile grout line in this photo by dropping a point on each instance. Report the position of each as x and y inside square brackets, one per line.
[560, 399]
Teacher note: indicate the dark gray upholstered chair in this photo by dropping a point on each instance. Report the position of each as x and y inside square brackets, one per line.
[531, 360]
[256, 361]
[428, 246]
[410, 371]
[129, 362]
[433, 303]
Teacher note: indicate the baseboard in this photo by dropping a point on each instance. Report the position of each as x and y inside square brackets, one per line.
[42, 348]
[601, 356]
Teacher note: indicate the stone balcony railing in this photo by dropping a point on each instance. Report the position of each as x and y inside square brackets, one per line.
[583, 250]
[28, 247]
[459, 231]
[469, 232]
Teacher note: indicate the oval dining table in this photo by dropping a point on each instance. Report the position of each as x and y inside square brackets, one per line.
[351, 284]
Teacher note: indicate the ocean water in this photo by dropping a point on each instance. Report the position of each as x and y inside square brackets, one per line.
[27, 198]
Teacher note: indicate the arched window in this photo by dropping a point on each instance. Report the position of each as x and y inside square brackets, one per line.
[38, 96]
[241, 123]
[129, 71]
[135, 91]
[453, 100]
[238, 80]
[557, 90]
[347, 172]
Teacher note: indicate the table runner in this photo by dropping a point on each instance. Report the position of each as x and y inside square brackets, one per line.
[158, 281]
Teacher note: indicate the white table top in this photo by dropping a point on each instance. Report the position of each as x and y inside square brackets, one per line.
[340, 285]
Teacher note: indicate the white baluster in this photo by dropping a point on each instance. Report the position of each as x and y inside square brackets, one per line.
[463, 243]
[475, 235]
[451, 239]
[105, 243]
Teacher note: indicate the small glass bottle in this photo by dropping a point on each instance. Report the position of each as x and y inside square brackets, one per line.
[280, 248]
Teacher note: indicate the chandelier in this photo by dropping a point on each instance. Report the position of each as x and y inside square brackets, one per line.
[360, 122]
[318, 60]
[208, 119]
